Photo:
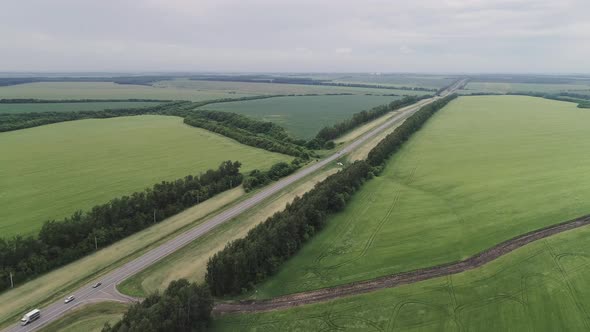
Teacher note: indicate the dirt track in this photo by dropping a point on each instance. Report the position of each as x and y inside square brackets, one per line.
[394, 280]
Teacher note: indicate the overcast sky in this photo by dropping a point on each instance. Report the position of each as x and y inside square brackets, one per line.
[296, 36]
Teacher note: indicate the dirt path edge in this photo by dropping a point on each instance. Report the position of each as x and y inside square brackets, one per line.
[394, 280]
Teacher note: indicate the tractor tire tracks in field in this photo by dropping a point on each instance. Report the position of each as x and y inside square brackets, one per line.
[394, 280]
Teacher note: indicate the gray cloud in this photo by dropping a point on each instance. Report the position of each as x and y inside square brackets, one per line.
[295, 35]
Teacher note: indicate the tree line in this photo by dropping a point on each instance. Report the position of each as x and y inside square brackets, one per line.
[16, 121]
[64, 241]
[329, 133]
[264, 135]
[248, 261]
[183, 306]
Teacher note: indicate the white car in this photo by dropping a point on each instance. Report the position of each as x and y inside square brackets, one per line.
[69, 299]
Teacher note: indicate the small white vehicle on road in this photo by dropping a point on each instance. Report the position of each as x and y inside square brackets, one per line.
[69, 299]
[96, 285]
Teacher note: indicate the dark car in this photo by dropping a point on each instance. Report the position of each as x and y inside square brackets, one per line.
[97, 284]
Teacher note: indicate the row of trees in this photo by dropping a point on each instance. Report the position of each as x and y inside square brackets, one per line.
[247, 131]
[16, 121]
[247, 261]
[392, 142]
[327, 134]
[183, 306]
[61, 242]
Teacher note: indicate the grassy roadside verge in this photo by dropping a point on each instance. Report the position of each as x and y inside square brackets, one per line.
[190, 262]
[88, 318]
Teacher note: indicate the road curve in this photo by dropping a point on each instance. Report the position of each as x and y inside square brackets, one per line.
[394, 280]
[87, 294]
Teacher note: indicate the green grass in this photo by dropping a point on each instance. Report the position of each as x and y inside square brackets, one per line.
[71, 107]
[494, 87]
[540, 287]
[304, 116]
[89, 318]
[51, 171]
[481, 171]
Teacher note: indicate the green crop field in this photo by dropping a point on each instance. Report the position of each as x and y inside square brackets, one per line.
[69, 107]
[249, 88]
[481, 171]
[303, 117]
[539, 287]
[106, 90]
[89, 318]
[51, 171]
[494, 87]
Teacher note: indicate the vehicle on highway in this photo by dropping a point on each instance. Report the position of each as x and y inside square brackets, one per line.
[97, 284]
[69, 299]
[30, 316]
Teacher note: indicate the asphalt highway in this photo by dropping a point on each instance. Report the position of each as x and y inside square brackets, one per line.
[107, 291]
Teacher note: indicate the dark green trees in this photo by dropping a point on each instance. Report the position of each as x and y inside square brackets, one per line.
[183, 306]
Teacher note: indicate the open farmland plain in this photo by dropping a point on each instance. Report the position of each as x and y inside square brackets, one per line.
[51, 171]
[250, 88]
[71, 107]
[540, 287]
[303, 116]
[108, 90]
[502, 88]
[481, 171]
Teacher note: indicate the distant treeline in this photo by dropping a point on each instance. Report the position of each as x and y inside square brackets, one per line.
[61, 242]
[327, 134]
[250, 260]
[67, 101]
[182, 307]
[299, 80]
[264, 135]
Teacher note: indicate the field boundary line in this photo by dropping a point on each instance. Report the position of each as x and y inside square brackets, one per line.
[403, 278]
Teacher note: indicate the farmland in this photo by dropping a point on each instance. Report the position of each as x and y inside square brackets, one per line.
[70, 107]
[51, 171]
[303, 117]
[540, 287]
[107, 90]
[250, 88]
[497, 87]
[458, 186]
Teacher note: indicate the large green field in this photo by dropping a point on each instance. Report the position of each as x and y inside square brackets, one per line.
[107, 90]
[481, 171]
[250, 88]
[540, 287]
[496, 87]
[304, 116]
[51, 171]
[70, 107]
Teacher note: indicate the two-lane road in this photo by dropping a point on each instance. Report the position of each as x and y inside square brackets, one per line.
[107, 291]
